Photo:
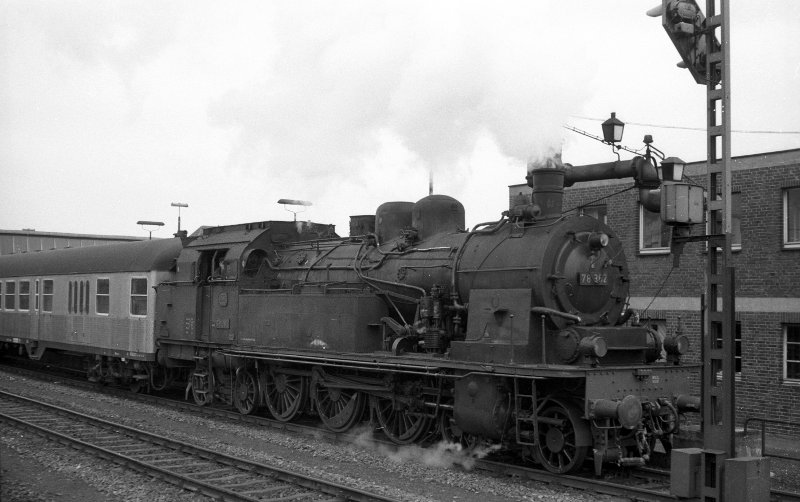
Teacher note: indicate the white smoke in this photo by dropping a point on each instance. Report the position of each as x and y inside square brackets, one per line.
[442, 454]
[436, 79]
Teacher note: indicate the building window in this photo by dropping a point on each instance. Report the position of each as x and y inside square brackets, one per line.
[654, 235]
[47, 295]
[24, 295]
[11, 292]
[596, 212]
[791, 368]
[139, 296]
[791, 218]
[102, 296]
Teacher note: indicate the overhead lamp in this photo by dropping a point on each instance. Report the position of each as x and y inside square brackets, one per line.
[612, 129]
[671, 169]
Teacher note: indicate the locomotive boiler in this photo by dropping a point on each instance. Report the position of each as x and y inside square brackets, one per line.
[515, 332]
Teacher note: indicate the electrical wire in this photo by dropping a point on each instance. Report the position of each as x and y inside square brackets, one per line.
[663, 283]
[684, 128]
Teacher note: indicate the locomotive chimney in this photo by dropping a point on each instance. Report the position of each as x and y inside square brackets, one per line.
[547, 181]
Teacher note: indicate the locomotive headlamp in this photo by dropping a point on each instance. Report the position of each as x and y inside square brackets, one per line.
[598, 240]
[671, 169]
[612, 129]
[593, 346]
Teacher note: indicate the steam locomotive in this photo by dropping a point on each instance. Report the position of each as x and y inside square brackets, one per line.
[516, 332]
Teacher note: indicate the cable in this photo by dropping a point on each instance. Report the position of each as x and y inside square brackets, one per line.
[657, 292]
[742, 131]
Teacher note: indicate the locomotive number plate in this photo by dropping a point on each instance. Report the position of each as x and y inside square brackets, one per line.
[593, 279]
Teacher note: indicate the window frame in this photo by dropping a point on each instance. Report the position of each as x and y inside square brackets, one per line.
[654, 250]
[47, 298]
[786, 378]
[12, 296]
[785, 242]
[138, 296]
[106, 295]
[24, 296]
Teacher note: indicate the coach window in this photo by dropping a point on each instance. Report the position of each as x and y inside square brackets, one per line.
[36, 296]
[102, 296]
[139, 296]
[654, 235]
[1, 296]
[24, 295]
[791, 218]
[47, 295]
[80, 298]
[11, 292]
[86, 298]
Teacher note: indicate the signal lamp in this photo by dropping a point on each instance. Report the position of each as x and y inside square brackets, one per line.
[671, 169]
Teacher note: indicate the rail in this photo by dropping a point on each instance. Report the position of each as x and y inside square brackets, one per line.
[764, 422]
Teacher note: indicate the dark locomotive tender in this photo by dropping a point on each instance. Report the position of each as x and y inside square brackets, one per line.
[515, 332]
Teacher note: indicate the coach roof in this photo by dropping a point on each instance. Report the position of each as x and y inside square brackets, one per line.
[142, 256]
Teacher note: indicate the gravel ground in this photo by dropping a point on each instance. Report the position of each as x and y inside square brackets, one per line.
[409, 473]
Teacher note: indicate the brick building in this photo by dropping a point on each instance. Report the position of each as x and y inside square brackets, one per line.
[766, 257]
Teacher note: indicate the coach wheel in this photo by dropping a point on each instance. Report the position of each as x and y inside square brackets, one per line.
[558, 449]
[399, 423]
[140, 380]
[202, 387]
[245, 392]
[452, 433]
[285, 394]
[339, 409]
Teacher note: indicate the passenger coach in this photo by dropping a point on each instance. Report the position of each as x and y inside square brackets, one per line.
[96, 302]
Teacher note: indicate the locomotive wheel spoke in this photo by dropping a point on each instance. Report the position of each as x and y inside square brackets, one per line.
[339, 409]
[400, 425]
[557, 449]
[285, 395]
[245, 392]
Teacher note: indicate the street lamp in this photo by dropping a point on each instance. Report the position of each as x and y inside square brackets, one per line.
[145, 223]
[293, 202]
[179, 205]
[612, 129]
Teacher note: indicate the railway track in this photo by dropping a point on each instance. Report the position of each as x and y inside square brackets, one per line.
[646, 485]
[190, 467]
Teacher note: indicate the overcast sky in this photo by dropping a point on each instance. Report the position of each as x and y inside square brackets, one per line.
[110, 111]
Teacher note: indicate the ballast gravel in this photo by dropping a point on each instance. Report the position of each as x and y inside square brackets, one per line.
[410, 473]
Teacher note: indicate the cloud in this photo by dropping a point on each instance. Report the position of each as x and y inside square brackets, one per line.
[437, 78]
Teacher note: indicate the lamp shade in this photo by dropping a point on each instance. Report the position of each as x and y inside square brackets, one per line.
[612, 129]
[671, 169]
